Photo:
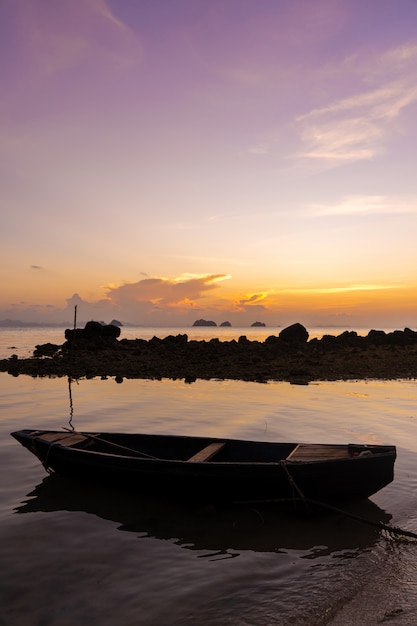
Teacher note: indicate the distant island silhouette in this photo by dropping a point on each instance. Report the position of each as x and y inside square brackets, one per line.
[203, 322]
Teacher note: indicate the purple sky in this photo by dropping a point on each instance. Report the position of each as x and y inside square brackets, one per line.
[240, 160]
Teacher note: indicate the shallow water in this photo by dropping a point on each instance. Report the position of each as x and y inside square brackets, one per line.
[74, 554]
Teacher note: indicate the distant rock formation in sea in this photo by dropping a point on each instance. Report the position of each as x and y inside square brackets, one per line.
[116, 323]
[204, 323]
[225, 324]
[258, 324]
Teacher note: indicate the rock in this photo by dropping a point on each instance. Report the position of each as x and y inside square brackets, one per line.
[257, 324]
[272, 340]
[204, 323]
[349, 338]
[175, 340]
[93, 335]
[296, 333]
[110, 331]
[407, 337]
[46, 349]
[376, 337]
[225, 324]
[402, 338]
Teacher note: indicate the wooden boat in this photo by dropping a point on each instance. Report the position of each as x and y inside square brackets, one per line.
[210, 468]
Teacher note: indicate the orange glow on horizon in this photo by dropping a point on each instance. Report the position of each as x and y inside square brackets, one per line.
[365, 298]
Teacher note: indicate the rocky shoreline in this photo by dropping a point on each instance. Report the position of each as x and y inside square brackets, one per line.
[97, 351]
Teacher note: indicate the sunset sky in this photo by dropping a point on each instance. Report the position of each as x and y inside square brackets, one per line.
[240, 160]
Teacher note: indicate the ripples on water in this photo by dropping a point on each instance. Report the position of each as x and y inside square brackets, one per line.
[76, 554]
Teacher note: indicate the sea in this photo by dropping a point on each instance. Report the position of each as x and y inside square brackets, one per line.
[76, 554]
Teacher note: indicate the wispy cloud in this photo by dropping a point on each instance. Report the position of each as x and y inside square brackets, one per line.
[384, 102]
[365, 205]
[357, 127]
[354, 128]
[58, 36]
[252, 299]
[207, 260]
[337, 289]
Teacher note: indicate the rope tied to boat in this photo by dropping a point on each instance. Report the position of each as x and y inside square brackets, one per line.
[292, 482]
[45, 460]
[394, 530]
[112, 444]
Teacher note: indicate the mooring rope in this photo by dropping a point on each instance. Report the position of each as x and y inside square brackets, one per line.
[292, 481]
[111, 443]
[45, 460]
[394, 530]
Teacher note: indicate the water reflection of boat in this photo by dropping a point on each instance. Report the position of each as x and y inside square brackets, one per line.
[223, 528]
[223, 469]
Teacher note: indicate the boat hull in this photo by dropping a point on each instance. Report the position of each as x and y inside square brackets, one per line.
[269, 471]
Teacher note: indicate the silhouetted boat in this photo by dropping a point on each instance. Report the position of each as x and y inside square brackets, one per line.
[216, 469]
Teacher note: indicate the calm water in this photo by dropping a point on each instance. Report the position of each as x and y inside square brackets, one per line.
[72, 554]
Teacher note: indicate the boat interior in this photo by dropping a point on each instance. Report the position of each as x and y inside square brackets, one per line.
[200, 449]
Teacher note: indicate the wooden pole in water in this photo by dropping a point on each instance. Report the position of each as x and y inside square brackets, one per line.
[70, 369]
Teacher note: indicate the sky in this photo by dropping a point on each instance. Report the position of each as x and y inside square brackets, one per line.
[234, 160]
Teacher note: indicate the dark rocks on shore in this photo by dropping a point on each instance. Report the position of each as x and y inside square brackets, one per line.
[93, 335]
[97, 351]
[296, 333]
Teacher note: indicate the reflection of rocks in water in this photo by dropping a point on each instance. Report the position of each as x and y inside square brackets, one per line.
[290, 356]
[260, 528]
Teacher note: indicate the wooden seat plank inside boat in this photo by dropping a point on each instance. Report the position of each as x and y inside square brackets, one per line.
[66, 439]
[318, 452]
[207, 453]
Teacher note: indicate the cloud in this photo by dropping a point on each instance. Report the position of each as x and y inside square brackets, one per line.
[357, 205]
[165, 292]
[36, 267]
[357, 127]
[337, 289]
[386, 101]
[354, 128]
[251, 300]
[150, 302]
[60, 35]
